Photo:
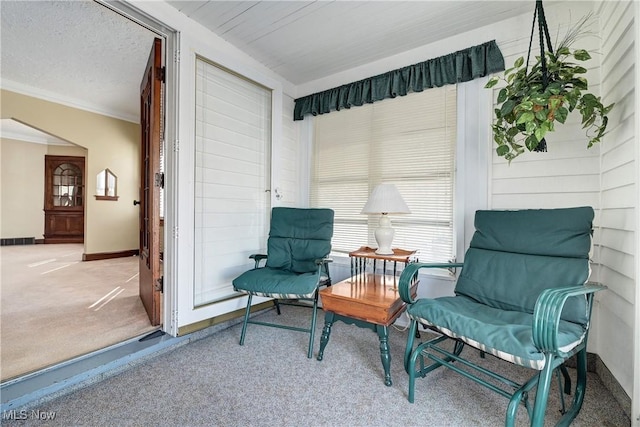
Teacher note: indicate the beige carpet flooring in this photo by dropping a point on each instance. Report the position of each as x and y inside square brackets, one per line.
[55, 307]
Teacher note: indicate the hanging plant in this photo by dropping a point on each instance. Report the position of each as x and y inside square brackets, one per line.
[534, 100]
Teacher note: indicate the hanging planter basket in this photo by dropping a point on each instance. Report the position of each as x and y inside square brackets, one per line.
[533, 100]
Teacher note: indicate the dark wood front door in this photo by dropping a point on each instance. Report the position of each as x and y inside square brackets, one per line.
[64, 197]
[150, 182]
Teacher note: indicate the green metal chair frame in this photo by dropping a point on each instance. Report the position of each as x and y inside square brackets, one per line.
[299, 244]
[546, 319]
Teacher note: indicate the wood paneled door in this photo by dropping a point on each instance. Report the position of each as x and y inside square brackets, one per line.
[150, 280]
[64, 194]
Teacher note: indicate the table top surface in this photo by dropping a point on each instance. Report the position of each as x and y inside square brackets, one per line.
[371, 289]
[372, 298]
[399, 255]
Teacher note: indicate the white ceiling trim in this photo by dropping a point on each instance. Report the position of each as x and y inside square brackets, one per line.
[57, 98]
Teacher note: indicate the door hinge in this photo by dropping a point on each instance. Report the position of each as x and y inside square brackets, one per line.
[160, 73]
[160, 284]
[160, 179]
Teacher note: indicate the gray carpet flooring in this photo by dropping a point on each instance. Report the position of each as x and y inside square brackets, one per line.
[269, 382]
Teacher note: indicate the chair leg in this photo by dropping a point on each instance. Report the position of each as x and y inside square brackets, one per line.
[275, 302]
[413, 328]
[417, 352]
[312, 332]
[581, 386]
[542, 394]
[246, 320]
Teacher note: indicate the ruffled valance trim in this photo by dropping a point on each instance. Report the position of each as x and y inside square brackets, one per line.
[457, 67]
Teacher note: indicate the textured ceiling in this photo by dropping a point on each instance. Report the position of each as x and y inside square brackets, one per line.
[79, 51]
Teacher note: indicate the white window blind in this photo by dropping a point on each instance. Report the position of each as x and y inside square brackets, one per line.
[233, 144]
[408, 141]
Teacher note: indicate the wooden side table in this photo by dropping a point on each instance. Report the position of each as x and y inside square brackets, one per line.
[368, 301]
[359, 259]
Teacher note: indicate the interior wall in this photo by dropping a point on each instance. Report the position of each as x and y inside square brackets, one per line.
[603, 177]
[290, 152]
[110, 226]
[618, 259]
[22, 188]
[22, 185]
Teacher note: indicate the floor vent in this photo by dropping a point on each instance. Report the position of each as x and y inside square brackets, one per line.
[18, 241]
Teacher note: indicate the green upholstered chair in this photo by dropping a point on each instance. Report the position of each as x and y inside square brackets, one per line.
[522, 295]
[296, 264]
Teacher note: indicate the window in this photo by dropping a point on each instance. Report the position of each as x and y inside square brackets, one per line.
[408, 141]
[67, 185]
[106, 185]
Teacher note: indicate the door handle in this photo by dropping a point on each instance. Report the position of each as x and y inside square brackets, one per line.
[136, 202]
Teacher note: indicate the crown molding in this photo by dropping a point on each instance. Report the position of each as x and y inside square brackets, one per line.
[46, 95]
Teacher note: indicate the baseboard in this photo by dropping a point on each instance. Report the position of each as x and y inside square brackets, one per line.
[227, 317]
[15, 241]
[109, 255]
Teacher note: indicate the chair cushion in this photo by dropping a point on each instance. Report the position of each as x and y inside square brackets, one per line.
[298, 237]
[512, 281]
[515, 255]
[505, 334]
[276, 283]
[549, 232]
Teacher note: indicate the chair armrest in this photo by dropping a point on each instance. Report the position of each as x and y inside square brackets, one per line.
[546, 314]
[324, 260]
[257, 258]
[323, 264]
[410, 273]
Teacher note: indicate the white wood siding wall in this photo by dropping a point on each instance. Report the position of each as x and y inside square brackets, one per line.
[619, 171]
[604, 177]
[568, 174]
[288, 182]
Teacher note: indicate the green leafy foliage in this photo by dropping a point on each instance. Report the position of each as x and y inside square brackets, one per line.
[527, 109]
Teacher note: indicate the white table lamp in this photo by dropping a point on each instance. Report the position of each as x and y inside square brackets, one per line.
[385, 199]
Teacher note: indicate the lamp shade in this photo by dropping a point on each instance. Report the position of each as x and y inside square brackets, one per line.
[385, 198]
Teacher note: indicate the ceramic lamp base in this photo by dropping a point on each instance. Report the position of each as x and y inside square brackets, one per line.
[384, 236]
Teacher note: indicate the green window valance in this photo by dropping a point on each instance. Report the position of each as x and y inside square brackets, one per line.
[457, 67]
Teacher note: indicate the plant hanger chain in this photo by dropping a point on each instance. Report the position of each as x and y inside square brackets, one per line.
[543, 34]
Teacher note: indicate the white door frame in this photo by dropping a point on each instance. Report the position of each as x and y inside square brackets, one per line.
[171, 43]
